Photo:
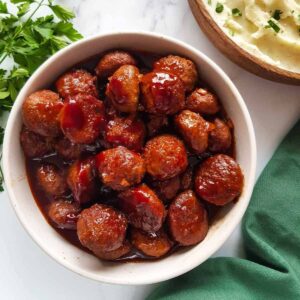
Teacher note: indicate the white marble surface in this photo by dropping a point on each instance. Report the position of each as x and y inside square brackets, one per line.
[28, 273]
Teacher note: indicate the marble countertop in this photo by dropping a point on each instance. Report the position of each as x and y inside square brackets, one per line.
[26, 272]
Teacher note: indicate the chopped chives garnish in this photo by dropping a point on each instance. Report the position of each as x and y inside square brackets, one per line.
[276, 14]
[219, 8]
[236, 12]
[273, 25]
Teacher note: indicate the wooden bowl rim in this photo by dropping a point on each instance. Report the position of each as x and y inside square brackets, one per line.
[270, 72]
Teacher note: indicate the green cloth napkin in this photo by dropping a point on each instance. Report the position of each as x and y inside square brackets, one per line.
[271, 232]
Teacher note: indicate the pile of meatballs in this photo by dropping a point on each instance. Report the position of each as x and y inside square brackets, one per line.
[156, 141]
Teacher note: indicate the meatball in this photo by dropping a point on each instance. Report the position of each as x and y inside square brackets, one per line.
[155, 123]
[186, 179]
[82, 180]
[184, 68]
[220, 137]
[168, 189]
[112, 61]
[114, 254]
[126, 132]
[219, 180]
[203, 102]
[40, 113]
[82, 118]
[154, 244]
[162, 93]
[52, 180]
[143, 208]
[187, 219]
[64, 213]
[68, 150]
[34, 145]
[165, 157]
[194, 130]
[123, 89]
[76, 82]
[101, 228]
[120, 168]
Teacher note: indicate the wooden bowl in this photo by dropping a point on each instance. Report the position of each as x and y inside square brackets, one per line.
[236, 53]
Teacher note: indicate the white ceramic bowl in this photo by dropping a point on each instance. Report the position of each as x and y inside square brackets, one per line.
[72, 257]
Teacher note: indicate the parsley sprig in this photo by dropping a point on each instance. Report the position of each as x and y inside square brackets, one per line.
[27, 42]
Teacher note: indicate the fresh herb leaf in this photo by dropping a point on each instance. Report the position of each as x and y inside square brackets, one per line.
[23, 9]
[62, 13]
[1, 173]
[3, 8]
[209, 2]
[4, 95]
[276, 14]
[219, 8]
[273, 25]
[18, 73]
[21, 1]
[45, 33]
[28, 42]
[236, 12]
[67, 29]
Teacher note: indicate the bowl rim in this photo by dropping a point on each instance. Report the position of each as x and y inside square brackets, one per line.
[189, 265]
[234, 52]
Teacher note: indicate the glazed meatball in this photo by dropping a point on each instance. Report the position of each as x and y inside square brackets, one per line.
[203, 102]
[126, 132]
[68, 150]
[64, 213]
[143, 208]
[194, 130]
[186, 179]
[154, 244]
[123, 89]
[162, 93]
[82, 180]
[187, 219]
[76, 82]
[165, 157]
[219, 180]
[220, 137]
[155, 123]
[120, 168]
[40, 113]
[168, 189]
[114, 254]
[34, 145]
[184, 68]
[52, 180]
[101, 228]
[112, 61]
[82, 118]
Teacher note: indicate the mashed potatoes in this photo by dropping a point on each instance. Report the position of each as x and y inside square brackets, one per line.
[269, 29]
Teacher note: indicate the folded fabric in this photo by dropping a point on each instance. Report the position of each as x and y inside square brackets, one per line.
[271, 232]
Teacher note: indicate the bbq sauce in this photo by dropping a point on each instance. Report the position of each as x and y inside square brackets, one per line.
[106, 195]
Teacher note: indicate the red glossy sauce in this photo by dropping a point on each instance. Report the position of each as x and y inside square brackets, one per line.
[106, 195]
[73, 116]
[116, 86]
[164, 95]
